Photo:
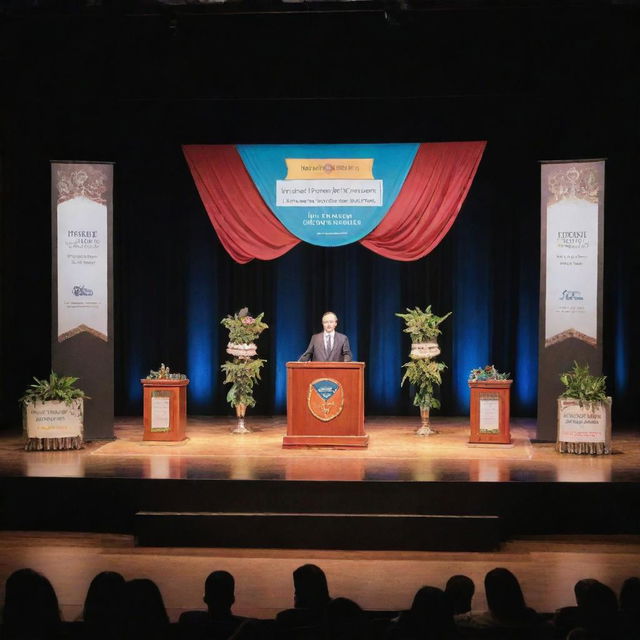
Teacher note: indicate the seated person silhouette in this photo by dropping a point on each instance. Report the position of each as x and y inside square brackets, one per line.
[30, 607]
[311, 599]
[144, 613]
[460, 590]
[102, 613]
[430, 616]
[218, 622]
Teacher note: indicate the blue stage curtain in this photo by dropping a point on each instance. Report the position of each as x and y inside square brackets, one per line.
[176, 286]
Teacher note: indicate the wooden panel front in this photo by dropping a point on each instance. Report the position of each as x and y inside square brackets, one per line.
[176, 392]
[300, 419]
[498, 390]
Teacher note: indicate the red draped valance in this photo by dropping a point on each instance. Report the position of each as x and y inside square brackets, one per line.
[425, 209]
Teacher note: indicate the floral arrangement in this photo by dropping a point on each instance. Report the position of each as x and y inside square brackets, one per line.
[164, 373]
[244, 371]
[243, 330]
[487, 373]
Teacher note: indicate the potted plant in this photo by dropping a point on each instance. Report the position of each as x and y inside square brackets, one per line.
[243, 372]
[422, 371]
[423, 327]
[489, 406]
[164, 373]
[584, 413]
[52, 414]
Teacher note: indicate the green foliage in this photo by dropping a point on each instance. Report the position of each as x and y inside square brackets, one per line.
[583, 387]
[487, 373]
[422, 325]
[242, 374]
[424, 374]
[244, 328]
[164, 373]
[60, 388]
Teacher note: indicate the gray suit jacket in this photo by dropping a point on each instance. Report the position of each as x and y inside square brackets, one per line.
[341, 351]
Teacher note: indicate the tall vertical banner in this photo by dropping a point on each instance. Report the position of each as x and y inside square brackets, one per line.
[82, 285]
[571, 271]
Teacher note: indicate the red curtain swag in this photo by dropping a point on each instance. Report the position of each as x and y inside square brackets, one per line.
[426, 207]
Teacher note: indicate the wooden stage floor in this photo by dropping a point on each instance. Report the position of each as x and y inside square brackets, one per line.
[395, 454]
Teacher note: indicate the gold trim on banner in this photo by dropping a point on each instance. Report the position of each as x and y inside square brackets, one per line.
[570, 333]
[81, 180]
[329, 168]
[581, 184]
[81, 328]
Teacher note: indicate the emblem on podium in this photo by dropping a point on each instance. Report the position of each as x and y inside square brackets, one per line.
[326, 399]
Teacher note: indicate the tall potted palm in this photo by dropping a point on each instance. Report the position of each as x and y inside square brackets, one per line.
[422, 370]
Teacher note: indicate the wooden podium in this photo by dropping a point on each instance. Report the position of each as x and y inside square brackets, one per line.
[325, 405]
[165, 409]
[490, 412]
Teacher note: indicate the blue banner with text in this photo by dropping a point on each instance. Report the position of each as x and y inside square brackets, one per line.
[329, 194]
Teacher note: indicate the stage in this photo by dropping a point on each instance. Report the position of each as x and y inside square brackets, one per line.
[395, 454]
[402, 492]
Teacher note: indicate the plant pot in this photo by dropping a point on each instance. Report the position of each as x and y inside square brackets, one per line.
[242, 350]
[53, 425]
[425, 426]
[424, 350]
[240, 427]
[584, 429]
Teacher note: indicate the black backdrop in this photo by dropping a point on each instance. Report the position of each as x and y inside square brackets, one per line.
[537, 83]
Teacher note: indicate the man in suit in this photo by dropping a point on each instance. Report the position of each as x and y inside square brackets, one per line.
[328, 345]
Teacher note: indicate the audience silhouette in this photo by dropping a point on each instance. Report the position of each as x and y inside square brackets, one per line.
[568, 618]
[508, 615]
[311, 598]
[115, 609]
[218, 622]
[346, 621]
[460, 590]
[145, 615]
[630, 609]
[103, 607]
[430, 616]
[598, 610]
[30, 608]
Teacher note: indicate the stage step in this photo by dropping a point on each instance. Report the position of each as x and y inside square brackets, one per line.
[318, 531]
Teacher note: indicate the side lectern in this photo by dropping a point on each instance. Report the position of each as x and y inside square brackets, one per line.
[165, 409]
[490, 412]
[325, 405]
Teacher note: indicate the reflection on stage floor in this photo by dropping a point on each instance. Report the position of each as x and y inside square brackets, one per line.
[395, 454]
